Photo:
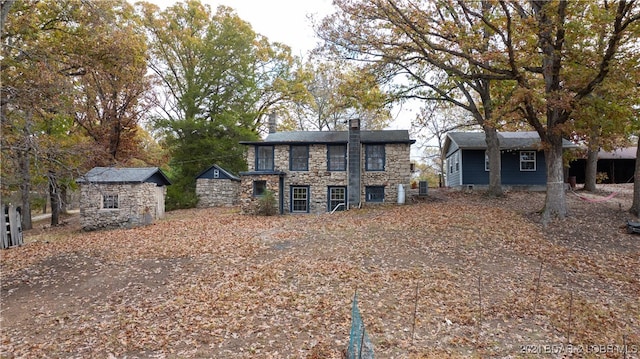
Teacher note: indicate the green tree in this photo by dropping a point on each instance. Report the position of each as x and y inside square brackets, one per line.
[218, 81]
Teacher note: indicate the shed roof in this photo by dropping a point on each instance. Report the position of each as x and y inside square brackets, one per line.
[124, 175]
[626, 153]
[508, 140]
[228, 174]
[337, 137]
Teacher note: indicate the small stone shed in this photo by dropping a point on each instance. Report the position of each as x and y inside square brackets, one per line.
[217, 187]
[113, 197]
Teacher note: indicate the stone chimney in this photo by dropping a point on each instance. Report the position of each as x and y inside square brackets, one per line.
[272, 122]
[354, 164]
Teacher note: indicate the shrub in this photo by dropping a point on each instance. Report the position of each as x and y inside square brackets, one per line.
[267, 204]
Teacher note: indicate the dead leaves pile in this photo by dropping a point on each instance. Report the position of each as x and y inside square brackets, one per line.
[214, 283]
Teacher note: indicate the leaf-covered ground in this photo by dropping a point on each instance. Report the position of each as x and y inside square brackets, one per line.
[490, 280]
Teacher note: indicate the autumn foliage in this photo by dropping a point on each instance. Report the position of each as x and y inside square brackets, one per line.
[214, 283]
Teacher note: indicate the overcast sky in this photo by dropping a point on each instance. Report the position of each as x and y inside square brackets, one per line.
[285, 21]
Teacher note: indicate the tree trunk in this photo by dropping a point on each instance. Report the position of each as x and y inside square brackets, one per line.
[555, 203]
[25, 189]
[635, 207]
[495, 163]
[591, 170]
[63, 198]
[54, 196]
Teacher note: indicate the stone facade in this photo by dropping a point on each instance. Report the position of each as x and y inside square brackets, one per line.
[248, 201]
[217, 192]
[318, 179]
[137, 204]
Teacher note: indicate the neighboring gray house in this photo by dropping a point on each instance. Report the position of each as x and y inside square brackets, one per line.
[217, 187]
[522, 160]
[113, 197]
[319, 171]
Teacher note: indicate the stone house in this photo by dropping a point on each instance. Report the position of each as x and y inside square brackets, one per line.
[113, 197]
[216, 186]
[320, 171]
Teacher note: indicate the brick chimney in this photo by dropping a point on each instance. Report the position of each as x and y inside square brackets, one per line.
[354, 164]
[272, 122]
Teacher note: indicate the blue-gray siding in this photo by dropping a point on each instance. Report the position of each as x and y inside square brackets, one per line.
[454, 178]
[473, 171]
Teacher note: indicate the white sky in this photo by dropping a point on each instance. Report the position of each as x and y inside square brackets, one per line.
[285, 21]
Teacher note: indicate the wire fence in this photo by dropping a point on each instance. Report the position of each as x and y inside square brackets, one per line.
[360, 346]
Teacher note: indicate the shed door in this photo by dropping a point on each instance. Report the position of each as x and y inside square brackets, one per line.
[160, 200]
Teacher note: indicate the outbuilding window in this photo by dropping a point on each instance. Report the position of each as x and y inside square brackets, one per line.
[110, 201]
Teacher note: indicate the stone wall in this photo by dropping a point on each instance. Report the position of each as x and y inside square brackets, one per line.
[217, 192]
[138, 204]
[249, 202]
[397, 171]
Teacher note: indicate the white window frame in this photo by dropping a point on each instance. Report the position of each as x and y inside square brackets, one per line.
[524, 160]
[486, 161]
[299, 195]
[110, 201]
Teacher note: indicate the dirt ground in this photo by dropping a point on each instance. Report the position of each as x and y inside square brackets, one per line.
[452, 275]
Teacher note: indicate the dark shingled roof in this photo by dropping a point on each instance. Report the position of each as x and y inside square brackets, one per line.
[508, 140]
[383, 136]
[124, 175]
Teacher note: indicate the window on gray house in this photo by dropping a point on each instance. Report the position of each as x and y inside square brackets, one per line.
[527, 160]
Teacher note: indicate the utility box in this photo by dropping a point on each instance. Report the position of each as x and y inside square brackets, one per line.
[423, 188]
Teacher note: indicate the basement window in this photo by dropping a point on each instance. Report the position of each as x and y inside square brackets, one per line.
[259, 188]
[374, 193]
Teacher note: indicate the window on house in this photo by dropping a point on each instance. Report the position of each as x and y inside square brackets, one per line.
[216, 173]
[264, 158]
[374, 193]
[299, 158]
[110, 201]
[486, 160]
[259, 188]
[300, 199]
[337, 195]
[337, 157]
[374, 157]
[527, 160]
[457, 155]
